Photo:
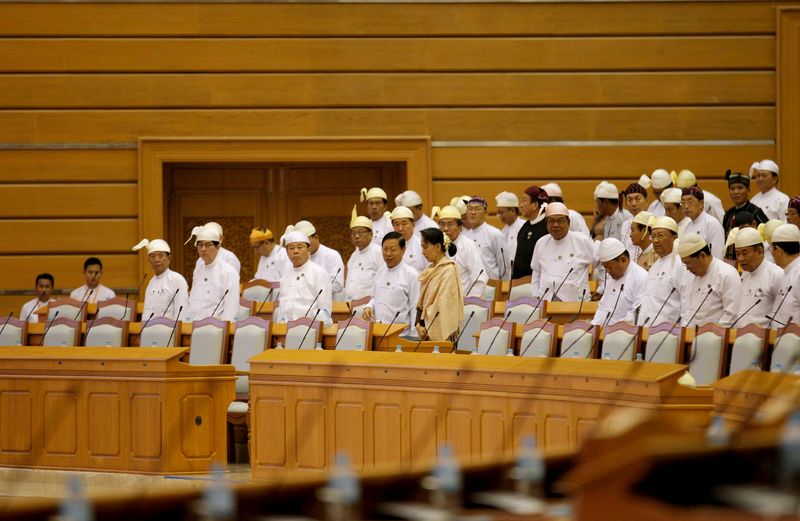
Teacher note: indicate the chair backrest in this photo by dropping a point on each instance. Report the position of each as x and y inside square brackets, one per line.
[259, 289]
[750, 347]
[297, 329]
[708, 354]
[621, 341]
[520, 287]
[539, 339]
[117, 307]
[247, 308]
[209, 342]
[67, 308]
[251, 337]
[106, 332]
[786, 353]
[579, 340]
[665, 343]
[470, 325]
[157, 331]
[492, 289]
[62, 332]
[358, 305]
[357, 336]
[14, 332]
[520, 310]
[495, 337]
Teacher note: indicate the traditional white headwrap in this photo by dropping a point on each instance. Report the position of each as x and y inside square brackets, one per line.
[154, 245]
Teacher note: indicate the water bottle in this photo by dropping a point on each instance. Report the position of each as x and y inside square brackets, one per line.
[279, 346]
[398, 349]
[639, 357]
[343, 490]
[359, 347]
[754, 366]
[446, 493]
[474, 350]
[577, 355]
[789, 451]
[778, 368]
[718, 434]
[75, 507]
[63, 343]
[510, 351]
[108, 343]
[18, 343]
[606, 356]
[219, 499]
[435, 350]
[528, 473]
[153, 344]
[319, 346]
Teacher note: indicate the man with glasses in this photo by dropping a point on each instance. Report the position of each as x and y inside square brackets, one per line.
[712, 290]
[468, 258]
[661, 301]
[364, 262]
[212, 278]
[489, 239]
[167, 292]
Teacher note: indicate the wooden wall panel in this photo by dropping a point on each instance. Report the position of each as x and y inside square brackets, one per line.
[68, 200]
[67, 165]
[119, 270]
[93, 236]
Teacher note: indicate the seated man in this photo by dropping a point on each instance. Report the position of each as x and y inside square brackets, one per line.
[215, 283]
[396, 288]
[660, 180]
[273, 261]
[761, 280]
[364, 262]
[44, 289]
[785, 242]
[92, 291]
[712, 289]
[635, 198]
[624, 288]
[225, 254]
[306, 287]
[167, 292]
[468, 259]
[661, 297]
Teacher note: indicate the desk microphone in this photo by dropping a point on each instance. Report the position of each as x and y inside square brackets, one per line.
[49, 325]
[344, 330]
[631, 341]
[220, 301]
[38, 300]
[310, 325]
[503, 257]
[474, 282]
[757, 302]
[387, 329]
[546, 320]
[146, 322]
[555, 293]
[775, 313]
[89, 324]
[127, 297]
[11, 314]
[336, 274]
[89, 290]
[580, 307]
[498, 332]
[537, 305]
[312, 304]
[698, 307]
[426, 332]
[264, 301]
[174, 326]
[662, 305]
[169, 303]
[80, 309]
[455, 344]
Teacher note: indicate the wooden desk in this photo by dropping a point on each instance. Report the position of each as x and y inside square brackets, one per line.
[738, 397]
[393, 409]
[112, 409]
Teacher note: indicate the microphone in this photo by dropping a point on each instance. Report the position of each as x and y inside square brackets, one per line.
[537, 305]
[55, 315]
[127, 297]
[503, 257]
[312, 304]
[775, 313]
[387, 329]
[426, 331]
[605, 323]
[89, 290]
[698, 307]
[309, 328]
[80, 309]
[631, 342]
[655, 351]
[757, 302]
[498, 332]
[336, 274]
[455, 344]
[39, 299]
[264, 301]
[773, 319]
[580, 307]
[555, 293]
[170, 302]
[11, 314]
[474, 282]
[344, 330]
[546, 320]
[146, 322]
[220, 301]
[89, 323]
[662, 305]
[174, 326]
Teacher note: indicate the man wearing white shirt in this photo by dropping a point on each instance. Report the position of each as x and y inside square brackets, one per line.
[489, 240]
[468, 259]
[769, 198]
[92, 291]
[306, 288]
[508, 212]
[560, 262]
[635, 199]
[785, 242]
[396, 292]
[328, 258]
[576, 221]
[364, 262]
[167, 293]
[623, 294]
[671, 199]
[761, 280]
[712, 288]
[224, 253]
[606, 198]
[661, 296]
[44, 289]
[713, 204]
[702, 224]
[215, 283]
[660, 180]
[375, 199]
[273, 261]
[412, 200]
[403, 223]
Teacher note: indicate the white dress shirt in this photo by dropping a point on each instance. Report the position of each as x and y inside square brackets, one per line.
[553, 259]
[99, 294]
[683, 224]
[330, 260]
[396, 292]
[423, 223]
[468, 260]
[29, 309]
[619, 303]
[299, 290]
[713, 206]
[665, 275]
[510, 232]
[381, 227]
[578, 224]
[762, 283]
[272, 267]
[625, 231]
[656, 208]
[722, 304]
[413, 254]
[774, 203]
[612, 227]
[227, 256]
[709, 229]
[159, 295]
[791, 305]
[361, 269]
[209, 283]
[489, 241]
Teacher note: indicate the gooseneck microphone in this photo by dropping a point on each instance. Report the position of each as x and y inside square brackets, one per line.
[503, 257]
[455, 344]
[352, 314]
[630, 343]
[146, 322]
[174, 326]
[780, 305]
[580, 307]
[605, 323]
[11, 314]
[170, 303]
[426, 332]
[49, 325]
[312, 304]
[544, 294]
[474, 282]
[38, 299]
[698, 307]
[662, 306]
[388, 328]
[497, 333]
[757, 302]
[83, 304]
[260, 306]
[555, 293]
[310, 326]
[546, 320]
[220, 301]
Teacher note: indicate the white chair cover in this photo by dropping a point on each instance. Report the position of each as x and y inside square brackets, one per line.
[615, 343]
[520, 314]
[104, 335]
[581, 348]
[295, 334]
[786, 349]
[206, 347]
[114, 311]
[470, 326]
[11, 336]
[499, 347]
[248, 341]
[523, 290]
[58, 335]
[746, 350]
[704, 366]
[353, 338]
[156, 335]
[541, 345]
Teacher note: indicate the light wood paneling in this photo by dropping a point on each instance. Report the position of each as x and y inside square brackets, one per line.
[789, 115]
[69, 235]
[387, 54]
[386, 90]
[68, 200]
[18, 272]
[443, 124]
[64, 166]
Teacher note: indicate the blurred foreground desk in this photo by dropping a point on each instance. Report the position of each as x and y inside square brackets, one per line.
[112, 409]
[393, 409]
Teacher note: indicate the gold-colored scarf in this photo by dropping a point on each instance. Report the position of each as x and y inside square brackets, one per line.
[440, 292]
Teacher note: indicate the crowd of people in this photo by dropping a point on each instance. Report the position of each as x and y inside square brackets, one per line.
[674, 260]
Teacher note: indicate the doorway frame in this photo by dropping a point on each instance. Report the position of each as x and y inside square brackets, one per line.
[154, 152]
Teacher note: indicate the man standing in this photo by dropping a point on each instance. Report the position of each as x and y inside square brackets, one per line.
[508, 212]
[364, 262]
[661, 297]
[224, 253]
[786, 250]
[215, 283]
[488, 238]
[702, 224]
[712, 290]
[739, 190]
[576, 221]
[636, 200]
[713, 204]
[92, 291]
[273, 261]
[623, 294]
[470, 266]
[376, 199]
[531, 207]
[44, 290]
[671, 200]
[761, 280]
[769, 198]
[660, 180]
[329, 259]
[403, 223]
[412, 200]
[396, 288]
[306, 287]
[167, 292]
[606, 198]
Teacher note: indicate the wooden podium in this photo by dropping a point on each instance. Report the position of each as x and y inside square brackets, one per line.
[112, 409]
[393, 409]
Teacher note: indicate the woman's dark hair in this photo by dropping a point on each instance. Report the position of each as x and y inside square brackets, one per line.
[435, 236]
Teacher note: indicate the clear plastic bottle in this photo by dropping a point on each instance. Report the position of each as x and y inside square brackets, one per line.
[718, 434]
[398, 349]
[639, 357]
[528, 473]
[344, 491]
[474, 350]
[510, 351]
[108, 343]
[778, 368]
[446, 475]
[279, 345]
[319, 346]
[606, 356]
[755, 366]
[219, 500]
[789, 455]
[436, 350]
[76, 506]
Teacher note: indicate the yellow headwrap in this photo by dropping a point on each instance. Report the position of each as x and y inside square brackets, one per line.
[257, 236]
